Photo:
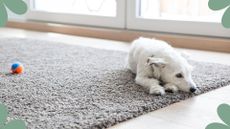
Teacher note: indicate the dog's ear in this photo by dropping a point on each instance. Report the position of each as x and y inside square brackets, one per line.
[158, 62]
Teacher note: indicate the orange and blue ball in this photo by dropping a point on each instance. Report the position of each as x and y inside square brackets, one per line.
[17, 68]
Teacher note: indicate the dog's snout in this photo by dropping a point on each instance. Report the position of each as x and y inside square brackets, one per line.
[192, 89]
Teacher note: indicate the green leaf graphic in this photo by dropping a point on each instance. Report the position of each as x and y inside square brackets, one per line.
[3, 14]
[226, 18]
[15, 124]
[221, 4]
[218, 4]
[217, 126]
[3, 114]
[224, 113]
[16, 6]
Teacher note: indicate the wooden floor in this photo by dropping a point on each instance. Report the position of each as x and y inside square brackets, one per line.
[194, 113]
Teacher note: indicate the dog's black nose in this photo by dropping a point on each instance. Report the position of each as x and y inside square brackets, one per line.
[192, 90]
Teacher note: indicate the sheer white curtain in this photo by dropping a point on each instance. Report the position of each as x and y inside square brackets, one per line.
[175, 16]
[83, 7]
[103, 13]
[196, 10]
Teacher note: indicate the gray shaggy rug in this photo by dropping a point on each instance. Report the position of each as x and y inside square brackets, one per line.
[69, 87]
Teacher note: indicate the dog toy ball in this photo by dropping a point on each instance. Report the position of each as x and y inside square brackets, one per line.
[17, 68]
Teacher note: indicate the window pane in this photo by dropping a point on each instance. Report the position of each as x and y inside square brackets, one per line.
[82, 7]
[187, 10]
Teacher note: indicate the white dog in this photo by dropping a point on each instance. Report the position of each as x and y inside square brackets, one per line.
[156, 63]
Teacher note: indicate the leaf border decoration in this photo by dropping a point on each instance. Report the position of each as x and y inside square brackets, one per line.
[13, 124]
[16, 6]
[224, 114]
[219, 5]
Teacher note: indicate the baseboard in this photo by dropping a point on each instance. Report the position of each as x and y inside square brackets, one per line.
[181, 41]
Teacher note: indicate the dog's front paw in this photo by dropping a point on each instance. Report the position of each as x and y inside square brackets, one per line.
[157, 90]
[171, 88]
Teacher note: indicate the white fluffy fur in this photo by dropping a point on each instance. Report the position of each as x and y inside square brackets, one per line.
[154, 61]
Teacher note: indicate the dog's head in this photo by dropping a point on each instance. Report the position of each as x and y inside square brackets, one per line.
[177, 72]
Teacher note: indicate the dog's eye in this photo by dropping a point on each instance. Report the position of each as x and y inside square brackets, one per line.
[179, 75]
